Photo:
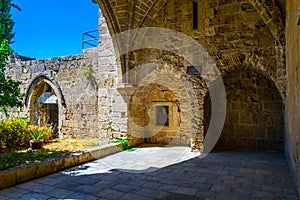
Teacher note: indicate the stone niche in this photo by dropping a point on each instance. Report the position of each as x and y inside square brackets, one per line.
[165, 118]
[154, 114]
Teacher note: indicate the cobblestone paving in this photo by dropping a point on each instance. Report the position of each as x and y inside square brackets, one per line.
[167, 173]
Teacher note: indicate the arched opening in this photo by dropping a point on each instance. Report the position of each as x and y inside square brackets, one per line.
[44, 99]
[155, 111]
[44, 107]
[255, 110]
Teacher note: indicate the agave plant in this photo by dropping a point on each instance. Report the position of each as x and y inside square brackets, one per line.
[37, 134]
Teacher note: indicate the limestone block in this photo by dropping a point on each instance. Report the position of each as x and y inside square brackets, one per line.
[43, 169]
[27, 172]
[70, 161]
[8, 178]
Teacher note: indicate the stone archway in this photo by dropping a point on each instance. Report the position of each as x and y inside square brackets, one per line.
[255, 113]
[44, 107]
[44, 99]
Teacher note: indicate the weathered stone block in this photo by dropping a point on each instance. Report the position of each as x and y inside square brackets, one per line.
[57, 164]
[27, 172]
[8, 178]
[44, 168]
[84, 157]
[70, 161]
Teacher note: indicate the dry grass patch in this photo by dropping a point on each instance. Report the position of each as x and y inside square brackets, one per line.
[52, 149]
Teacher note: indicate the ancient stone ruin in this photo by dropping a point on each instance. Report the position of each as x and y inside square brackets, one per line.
[121, 89]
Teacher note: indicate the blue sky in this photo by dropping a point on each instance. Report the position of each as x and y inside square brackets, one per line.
[46, 29]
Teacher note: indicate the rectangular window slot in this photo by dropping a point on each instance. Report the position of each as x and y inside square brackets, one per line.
[193, 70]
[162, 115]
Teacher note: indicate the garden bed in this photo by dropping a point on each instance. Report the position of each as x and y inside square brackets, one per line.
[52, 149]
[26, 172]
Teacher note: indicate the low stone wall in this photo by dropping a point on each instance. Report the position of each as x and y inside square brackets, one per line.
[24, 173]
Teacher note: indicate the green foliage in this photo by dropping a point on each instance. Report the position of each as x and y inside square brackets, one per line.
[48, 132]
[87, 71]
[16, 133]
[6, 23]
[10, 95]
[125, 144]
[16, 158]
[40, 132]
[37, 134]
[73, 136]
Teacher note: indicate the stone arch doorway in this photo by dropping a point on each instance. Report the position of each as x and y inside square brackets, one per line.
[44, 107]
[45, 101]
[255, 110]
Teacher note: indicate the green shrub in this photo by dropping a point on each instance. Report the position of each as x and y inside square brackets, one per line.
[16, 133]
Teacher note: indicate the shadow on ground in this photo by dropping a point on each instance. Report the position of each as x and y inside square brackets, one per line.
[228, 175]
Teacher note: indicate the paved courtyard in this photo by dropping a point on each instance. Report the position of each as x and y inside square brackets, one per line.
[167, 173]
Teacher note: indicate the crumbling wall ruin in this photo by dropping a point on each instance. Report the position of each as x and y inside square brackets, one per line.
[85, 86]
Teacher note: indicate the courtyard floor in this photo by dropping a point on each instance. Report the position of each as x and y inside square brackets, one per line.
[167, 173]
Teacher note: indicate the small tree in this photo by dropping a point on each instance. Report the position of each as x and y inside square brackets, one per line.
[10, 95]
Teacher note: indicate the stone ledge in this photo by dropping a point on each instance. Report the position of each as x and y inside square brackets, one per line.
[24, 173]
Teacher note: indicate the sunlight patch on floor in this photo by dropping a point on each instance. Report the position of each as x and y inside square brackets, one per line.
[143, 159]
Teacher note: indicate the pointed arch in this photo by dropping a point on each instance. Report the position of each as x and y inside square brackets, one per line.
[38, 79]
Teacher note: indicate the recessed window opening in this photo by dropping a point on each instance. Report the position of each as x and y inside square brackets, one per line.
[162, 115]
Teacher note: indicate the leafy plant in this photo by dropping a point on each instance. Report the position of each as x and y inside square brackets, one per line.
[125, 144]
[37, 134]
[9, 89]
[47, 131]
[14, 134]
[73, 136]
[87, 71]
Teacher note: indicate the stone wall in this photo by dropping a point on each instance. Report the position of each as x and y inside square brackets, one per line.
[240, 36]
[293, 88]
[234, 33]
[85, 85]
[163, 85]
[245, 40]
[112, 107]
[255, 113]
[77, 113]
[236, 36]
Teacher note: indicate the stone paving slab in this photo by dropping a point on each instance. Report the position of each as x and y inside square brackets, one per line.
[167, 173]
